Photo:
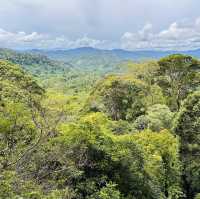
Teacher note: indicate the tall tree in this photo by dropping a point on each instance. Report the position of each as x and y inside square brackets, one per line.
[187, 126]
[121, 97]
[177, 77]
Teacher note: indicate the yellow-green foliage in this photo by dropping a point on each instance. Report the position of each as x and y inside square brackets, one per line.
[59, 143]
[120, 97]
[187, 125]
[147, 159]
[161, 159]
[15, 82]
[178, 76]
[18, 93]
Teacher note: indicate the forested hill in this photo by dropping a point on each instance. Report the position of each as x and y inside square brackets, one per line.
[54, 73]
[34, 63]
[24, 58]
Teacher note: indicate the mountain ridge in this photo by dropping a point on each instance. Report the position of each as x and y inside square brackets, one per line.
[120, 53]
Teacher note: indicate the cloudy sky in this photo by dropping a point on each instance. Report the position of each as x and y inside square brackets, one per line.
[127, 24]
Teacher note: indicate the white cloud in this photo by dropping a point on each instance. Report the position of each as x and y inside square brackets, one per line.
[10, 39]
[178, 36]
[102, 19]
[182, 35]
[43, 41]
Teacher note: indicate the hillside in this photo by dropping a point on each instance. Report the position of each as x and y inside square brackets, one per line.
[34, 63]
[61, 74]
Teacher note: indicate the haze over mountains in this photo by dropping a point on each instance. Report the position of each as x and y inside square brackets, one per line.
[86, 58]
[115, 53]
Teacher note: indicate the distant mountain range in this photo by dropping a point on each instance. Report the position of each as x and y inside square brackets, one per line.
[85, 59]
[115, 54]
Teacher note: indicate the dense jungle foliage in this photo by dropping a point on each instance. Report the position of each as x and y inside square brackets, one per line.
[129, 131]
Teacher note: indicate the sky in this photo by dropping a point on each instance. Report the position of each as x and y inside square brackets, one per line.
[105, 24]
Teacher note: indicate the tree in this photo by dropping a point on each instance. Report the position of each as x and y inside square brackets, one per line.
[187, 126]
[147, 72]
[102, 158]
[109, 191]
[121, 97]
[161, 152]
[178, 77]
[19, 94]
[158, 117]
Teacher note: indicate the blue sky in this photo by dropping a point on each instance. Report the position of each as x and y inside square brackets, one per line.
[127, 24]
